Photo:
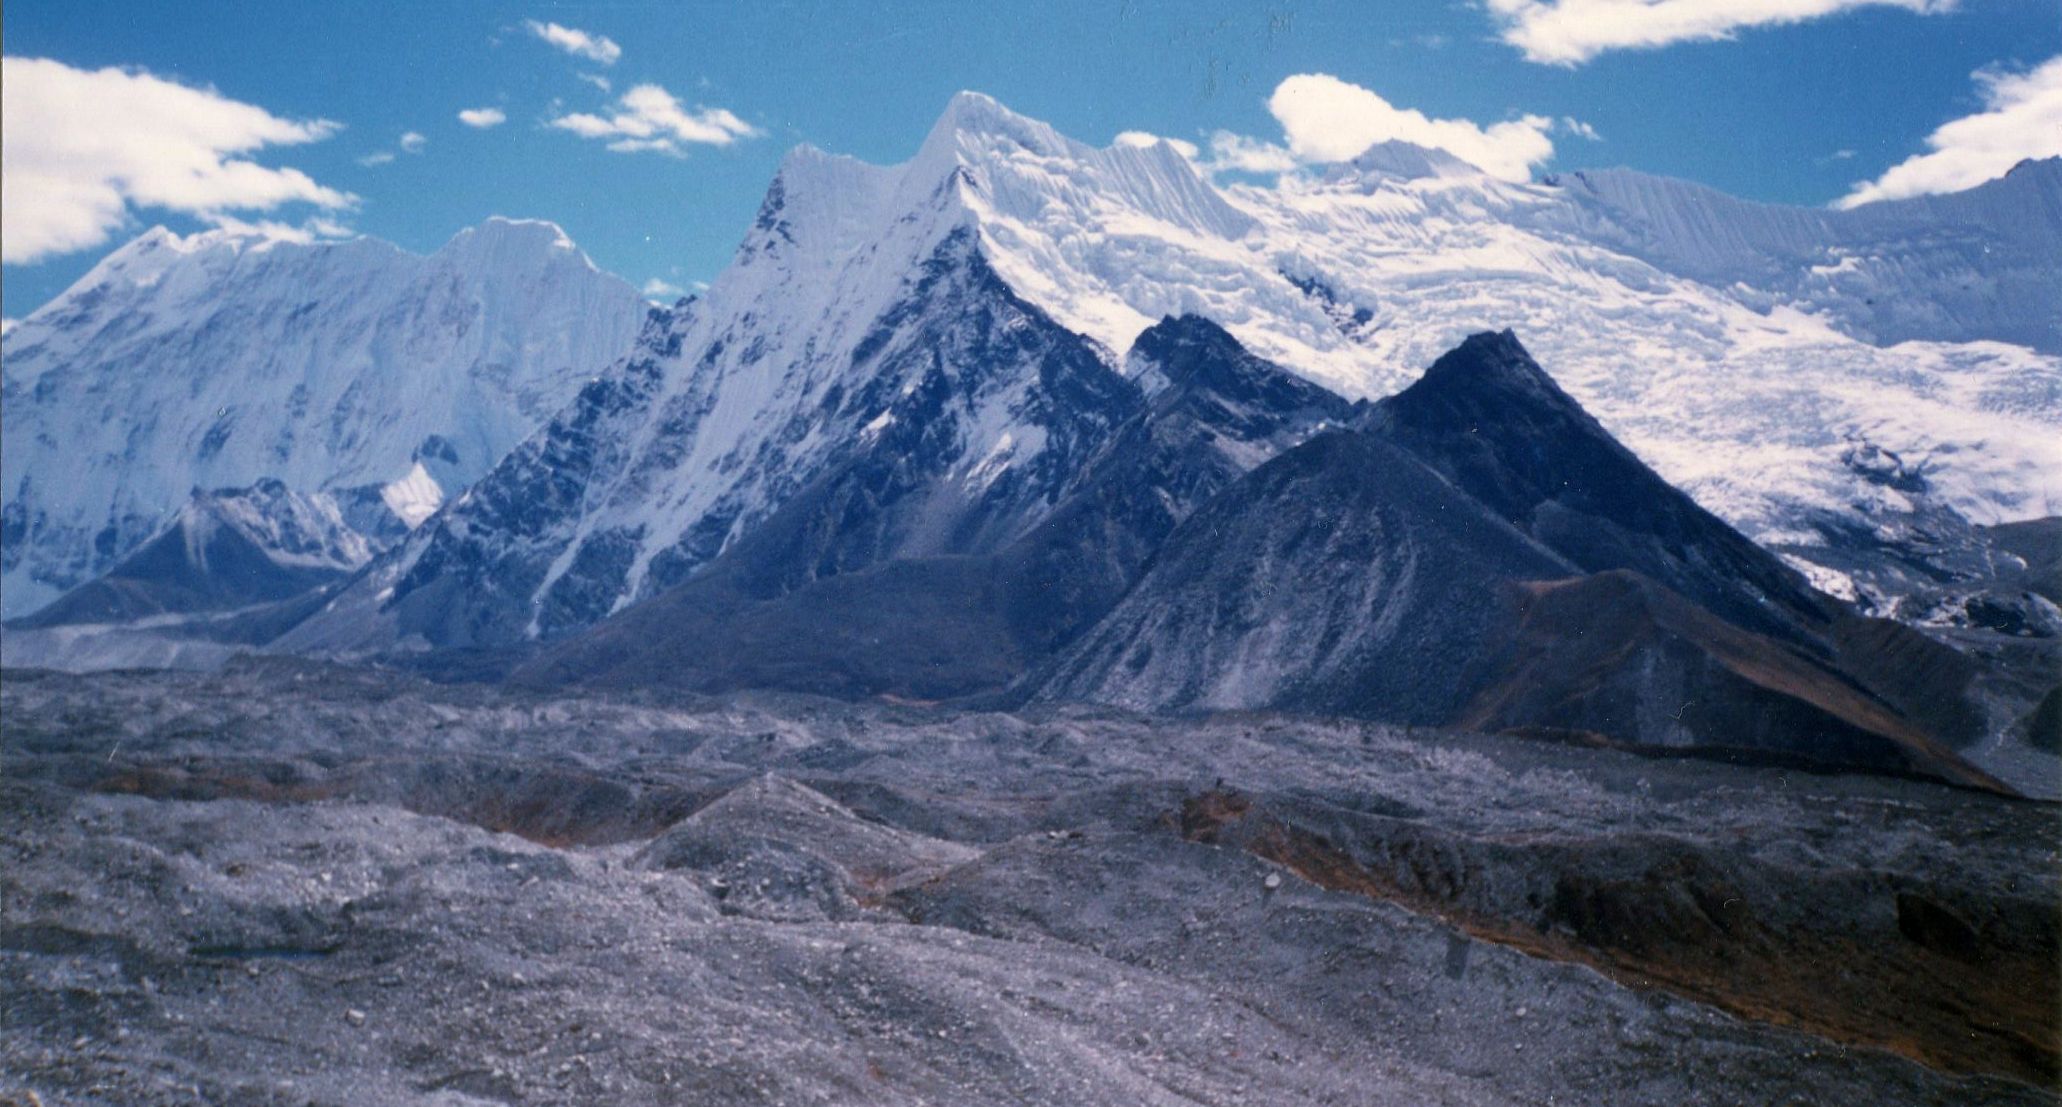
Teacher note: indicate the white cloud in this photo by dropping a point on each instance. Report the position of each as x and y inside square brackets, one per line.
[483, 118]
[1142, 139]
[1238, 154]
[1580, 129]
[599, 49]
[85, 146]
[657, 289]
[597, 80]
[304, 232]
[1570, 32]
[648, 118]
[2021, 118]
[7, 325]
[646, 145]
[411, 142]
[1330, 120]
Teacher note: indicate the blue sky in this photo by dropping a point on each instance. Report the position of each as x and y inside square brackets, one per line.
[1798, 112]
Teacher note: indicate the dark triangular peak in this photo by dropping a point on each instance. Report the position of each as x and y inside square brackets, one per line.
[1488, 418]
[1190, 362]
[1342, 577]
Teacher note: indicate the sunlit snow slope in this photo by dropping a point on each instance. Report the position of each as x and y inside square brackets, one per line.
[219, 359]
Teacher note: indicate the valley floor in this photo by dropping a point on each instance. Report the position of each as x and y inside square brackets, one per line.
[290, 884]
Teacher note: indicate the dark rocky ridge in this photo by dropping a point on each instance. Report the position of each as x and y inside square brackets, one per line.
[1371, 572]
[783, 609]
[1342, 578]
[1490, 420]
[1399, 573]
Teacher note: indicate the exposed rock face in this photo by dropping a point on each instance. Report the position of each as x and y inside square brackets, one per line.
[856, 281]
[1214, 412]
[1344, 577]
[1618, 655]
[1392, 572]
[1402, 573]
[948, 427]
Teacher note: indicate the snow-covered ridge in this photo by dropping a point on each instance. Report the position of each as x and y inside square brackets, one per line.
[219, 359]
[1734, 345]
[1404, 161]
[304, 530]
[1980, 264]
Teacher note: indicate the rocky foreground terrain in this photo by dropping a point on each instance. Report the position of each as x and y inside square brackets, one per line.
[295, 884]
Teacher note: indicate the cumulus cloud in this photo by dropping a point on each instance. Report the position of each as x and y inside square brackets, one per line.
[656, 289]
[2021, 118]
[412, 142]
[597, 80]
[1329, 120]
[1571, 32]
[1239, 154]
[648, 118]
[483, 118]
[377, 157]
[84, 147]
[599, 49]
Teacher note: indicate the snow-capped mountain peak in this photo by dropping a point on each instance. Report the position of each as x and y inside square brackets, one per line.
[224, 358]
[973, 122]
[1398, 160]
[501, 240]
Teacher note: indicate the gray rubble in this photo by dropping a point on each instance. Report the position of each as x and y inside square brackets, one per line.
[295, 884]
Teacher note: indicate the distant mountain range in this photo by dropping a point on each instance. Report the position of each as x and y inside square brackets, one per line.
[1028, 421]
